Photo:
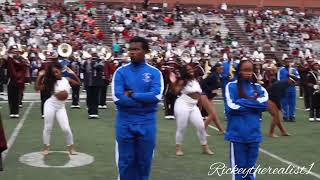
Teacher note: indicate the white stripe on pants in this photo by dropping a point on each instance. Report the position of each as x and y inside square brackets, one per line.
[185, 109]
[52, 109]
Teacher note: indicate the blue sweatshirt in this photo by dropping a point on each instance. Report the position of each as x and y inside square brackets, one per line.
[283, 73]
[146, 83]
[244, 114]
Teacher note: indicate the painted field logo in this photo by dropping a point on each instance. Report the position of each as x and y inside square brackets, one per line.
[36, 159]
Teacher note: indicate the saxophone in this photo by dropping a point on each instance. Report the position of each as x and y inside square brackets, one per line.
[231, 70]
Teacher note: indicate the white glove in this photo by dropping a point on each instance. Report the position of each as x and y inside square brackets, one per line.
[315, 86]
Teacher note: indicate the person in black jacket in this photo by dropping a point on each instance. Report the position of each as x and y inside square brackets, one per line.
[93, 80]
[312, 81]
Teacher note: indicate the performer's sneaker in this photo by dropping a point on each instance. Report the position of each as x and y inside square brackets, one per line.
[102, 107]
[311, 119]
[317, 119]
[12, 116]
[169, 117]
[16, 115]
[308, 109]
[20, 106]
[300, 97]
[93, 116]
[75, 106]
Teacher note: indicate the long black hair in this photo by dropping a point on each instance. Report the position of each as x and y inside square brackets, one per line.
[184, 76]
[240, 90]
[49, 79]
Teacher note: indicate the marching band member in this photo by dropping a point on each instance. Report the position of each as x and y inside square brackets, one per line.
[185, 108]
[313, 79]
[59, 88]
[288, 103]
[245, 103]
[47, 59]
[17, 68]
[107, 76]
[169, 95]
[93, 68]
[75, 66]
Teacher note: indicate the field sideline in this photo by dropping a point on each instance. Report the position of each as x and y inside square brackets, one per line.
[96, 138]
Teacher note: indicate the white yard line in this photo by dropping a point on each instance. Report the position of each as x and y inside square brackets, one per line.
[280, 159]
[16, 131]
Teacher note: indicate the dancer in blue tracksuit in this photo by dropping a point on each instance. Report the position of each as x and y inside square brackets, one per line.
[245, 102]
[288, 102]
[137, 88]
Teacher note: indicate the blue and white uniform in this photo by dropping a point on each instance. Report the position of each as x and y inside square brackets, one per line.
[136, 118]
[288, 102]
[243, 129]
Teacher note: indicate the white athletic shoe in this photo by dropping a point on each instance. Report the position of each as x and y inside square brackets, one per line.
[300, 97]
[102, 107]
[12, 116]
[317, 119]
[75, 106]
[93, 116]
[20, 106]
[16, 115]
[311, 119]
[167, 117]
[308, 109]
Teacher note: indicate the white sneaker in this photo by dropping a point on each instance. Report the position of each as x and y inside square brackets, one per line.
[311, 119]
[20, 106]
[301, 97]
[75, 106]
[317, 119]
[12, 116]
[308, 109]
[2, 93]
[167, 117]
[93, 116]
[16, 115]
[104, 107]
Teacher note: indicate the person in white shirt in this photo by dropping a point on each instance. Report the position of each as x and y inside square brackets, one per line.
[59, 87]
[186, 108]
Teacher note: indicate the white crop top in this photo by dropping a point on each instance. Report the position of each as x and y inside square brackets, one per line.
[62, 85]
[192, 87]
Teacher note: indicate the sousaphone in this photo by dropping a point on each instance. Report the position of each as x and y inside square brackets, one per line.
[64, 50]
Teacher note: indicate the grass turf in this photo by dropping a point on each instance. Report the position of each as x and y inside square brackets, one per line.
[96, 138]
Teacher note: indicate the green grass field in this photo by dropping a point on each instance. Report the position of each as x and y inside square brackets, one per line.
[96, 138]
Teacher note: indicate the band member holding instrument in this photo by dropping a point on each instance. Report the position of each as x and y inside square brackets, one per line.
[313, 82]
[288, 103]
[17, 69]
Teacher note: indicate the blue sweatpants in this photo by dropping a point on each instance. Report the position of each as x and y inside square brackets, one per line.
[243, 155]
[288, 105]
[134, 150]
